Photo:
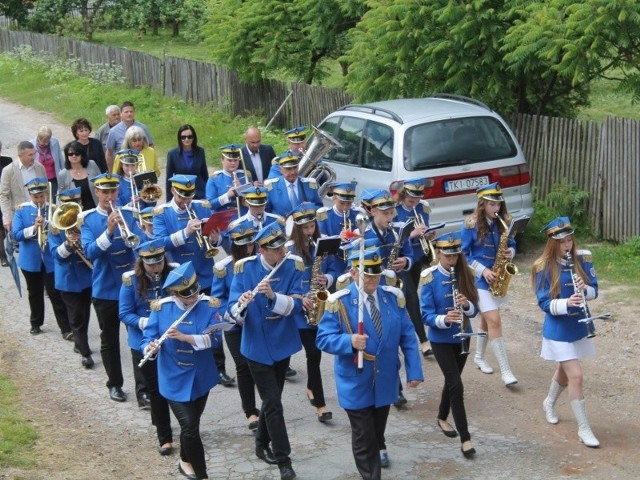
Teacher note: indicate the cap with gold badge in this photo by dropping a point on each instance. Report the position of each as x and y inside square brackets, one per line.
[151, 252]
[37, 185]
[271, 236]
[296, 135]
[491, 192]
[449, 243]
[231, 152]
[106, 181]
[184, 185]
[71, 195]
[372, 261]
[182, 281]
[242, 232]
[558, 228]
[255, 196]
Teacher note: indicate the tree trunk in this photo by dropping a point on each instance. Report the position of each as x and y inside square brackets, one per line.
[176, 29]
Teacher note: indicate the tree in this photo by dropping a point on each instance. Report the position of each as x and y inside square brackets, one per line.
[18, 10]
[50, 15]
[267, 38]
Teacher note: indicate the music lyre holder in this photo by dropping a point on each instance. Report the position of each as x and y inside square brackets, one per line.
[327, 246]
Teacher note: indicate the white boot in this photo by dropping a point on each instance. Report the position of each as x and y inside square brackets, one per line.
[555, 389]
[584, 430]
[501, 355]
[481, 363]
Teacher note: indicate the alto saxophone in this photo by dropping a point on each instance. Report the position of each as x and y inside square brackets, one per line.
[316, 293]
[503, 269]
[393, 256]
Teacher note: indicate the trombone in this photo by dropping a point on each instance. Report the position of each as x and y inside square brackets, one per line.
[131, 240]
[203, 242]
[65, 219]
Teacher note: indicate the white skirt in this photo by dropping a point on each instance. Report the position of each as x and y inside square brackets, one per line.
[563, 351]
[487, 302]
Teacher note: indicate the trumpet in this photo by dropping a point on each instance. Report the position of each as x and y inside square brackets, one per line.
[425, 243]
[203, 242]
[41, 231]
[65, 219]
[131, 240]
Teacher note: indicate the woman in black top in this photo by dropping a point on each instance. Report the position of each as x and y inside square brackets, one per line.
[77, 172]
[81, 129]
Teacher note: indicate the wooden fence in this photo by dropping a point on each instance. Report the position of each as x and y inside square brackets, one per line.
[600, 158]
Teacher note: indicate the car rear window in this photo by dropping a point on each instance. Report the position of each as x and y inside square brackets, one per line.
[455, 142]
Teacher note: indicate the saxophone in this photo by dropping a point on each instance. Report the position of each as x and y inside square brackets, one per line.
[393, 256]
[503, 269]
[316, 293]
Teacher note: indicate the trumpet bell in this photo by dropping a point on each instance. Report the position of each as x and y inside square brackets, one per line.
[151, 193]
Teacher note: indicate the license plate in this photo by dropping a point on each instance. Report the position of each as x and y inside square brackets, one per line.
[465, 184]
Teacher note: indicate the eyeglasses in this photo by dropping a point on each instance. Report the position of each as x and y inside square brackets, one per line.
[74, 154]
[186, 137]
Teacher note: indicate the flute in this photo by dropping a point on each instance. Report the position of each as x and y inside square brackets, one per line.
[152, 352]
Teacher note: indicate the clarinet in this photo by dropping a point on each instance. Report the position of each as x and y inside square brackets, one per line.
[458, 307]
[591, 328]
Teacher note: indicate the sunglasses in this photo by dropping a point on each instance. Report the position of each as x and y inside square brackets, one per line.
[186, 137]
[74, 154]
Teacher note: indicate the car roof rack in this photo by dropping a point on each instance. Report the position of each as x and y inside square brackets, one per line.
[374, 111]
[461, 98]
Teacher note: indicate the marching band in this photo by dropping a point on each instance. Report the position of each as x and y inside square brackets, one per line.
[156, 269]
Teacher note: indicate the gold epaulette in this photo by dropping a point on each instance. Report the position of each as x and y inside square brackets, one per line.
[426, 207]
[332, 303]
[281, 221]
[390, 277]
[214, 302]
[155, 305]
[126, 278]
[470, 221]
[313, 185]
[239, 265]
[219, 272]
[274, 161]
[205, 203]
[402, 301]
[18, 207]
[321, 214]
[157, 210]
[343, 281]
[53, 230]
[585, 255]
[299, 262]
[426, 276]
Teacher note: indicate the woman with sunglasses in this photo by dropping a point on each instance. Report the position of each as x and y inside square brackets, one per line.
[76, 173]
[187, 159]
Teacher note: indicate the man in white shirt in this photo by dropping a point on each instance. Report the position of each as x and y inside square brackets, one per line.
[256, 156]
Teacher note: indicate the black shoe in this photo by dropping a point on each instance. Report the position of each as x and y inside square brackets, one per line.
[35, 331]
[401, 401]
[4, 262]
[286, 472]
[190, 476]
[226, 380]
[68, 336]
[290, 373]
[164, 451]
[265, 454]
[117, 395]
[87, 361]
[144, 402]
[468, 453]
[427, 353]
[448, 433]
[325, 417]
[253, 426]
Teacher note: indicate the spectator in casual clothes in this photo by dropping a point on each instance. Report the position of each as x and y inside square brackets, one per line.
[116, 134]
[49, 154]
[81, 129]
[135, 139]
[187, 159]
[4, 161]
[113, 118]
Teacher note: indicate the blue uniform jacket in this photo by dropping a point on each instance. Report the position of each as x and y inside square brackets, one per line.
[30, 257]
[481, 254]
[109, 255]
[561, 321]
[379, 382]
[331, 223]
[185, 372]
[221, 284]
[169, 223]
[269, 333]
[385, 242]
[71, 274]
[436, 299]
[278, 201]
[125, 194]
[404, 215]
[217, 187]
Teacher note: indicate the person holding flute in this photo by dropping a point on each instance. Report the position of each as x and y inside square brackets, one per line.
[448, 298]
[266, 294]
[386, 329]
[562, 292]
[186, 368]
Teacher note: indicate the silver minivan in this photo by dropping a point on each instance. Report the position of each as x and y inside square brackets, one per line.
[458, 144]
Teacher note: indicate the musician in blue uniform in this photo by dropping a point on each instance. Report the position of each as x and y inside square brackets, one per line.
[339, 218]
[561, 297]
[290, 190]
[296, 143]
[29, 229]
[267, 307]
[145, 220]
[242, 234]
[366, 396]
[140, 287]
[128, 167]
[444, 315]
[102, 230]
[481, 233]
[304, 236]
[72, 270]
[412, 206]
[220, 190]
[186, 368]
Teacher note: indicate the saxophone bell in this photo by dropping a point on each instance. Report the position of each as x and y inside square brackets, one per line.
[503, 269]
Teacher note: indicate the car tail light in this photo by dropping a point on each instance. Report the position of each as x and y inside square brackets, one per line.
[513, 176]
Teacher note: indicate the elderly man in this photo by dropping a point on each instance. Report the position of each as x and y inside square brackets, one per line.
[14, 178]
[113, 118]
[257, 157]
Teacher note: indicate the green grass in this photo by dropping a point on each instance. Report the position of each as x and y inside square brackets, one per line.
[16, 436]
[65, 95]
[607, 102]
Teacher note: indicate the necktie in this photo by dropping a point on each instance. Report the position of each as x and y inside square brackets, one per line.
[375, 315]
[294, 195]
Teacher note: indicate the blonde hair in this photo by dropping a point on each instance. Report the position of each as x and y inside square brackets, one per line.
[135, 133]
[44, 132]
